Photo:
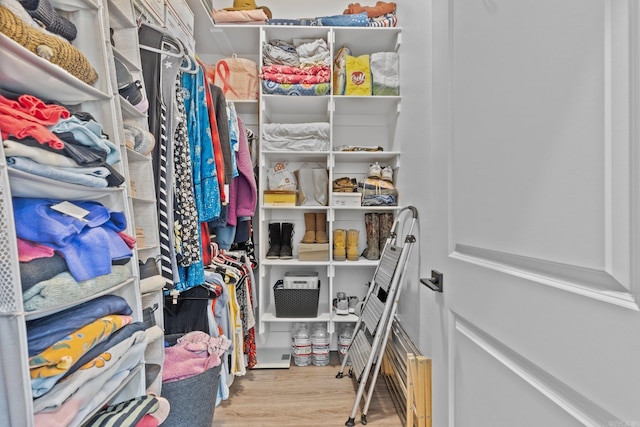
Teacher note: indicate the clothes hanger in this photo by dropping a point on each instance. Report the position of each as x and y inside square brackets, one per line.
[141, 14]
[175, 296]
[151, 23]
[179, 54]
[192, 66]
[224, 260]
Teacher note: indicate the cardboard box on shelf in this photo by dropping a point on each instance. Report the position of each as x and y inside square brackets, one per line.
[313, 251]
[346, 199]
[280, 198]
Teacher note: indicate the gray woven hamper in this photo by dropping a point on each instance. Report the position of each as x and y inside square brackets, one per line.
[192, 400]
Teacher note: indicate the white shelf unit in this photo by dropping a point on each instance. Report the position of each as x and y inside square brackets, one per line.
[23, 72]
[139, 174]
[355, 120]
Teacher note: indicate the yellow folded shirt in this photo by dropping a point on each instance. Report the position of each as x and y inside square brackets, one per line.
[61, 356]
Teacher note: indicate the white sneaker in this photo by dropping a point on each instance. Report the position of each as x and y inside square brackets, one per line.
[342, 305]
[353, 302]
[374, 171]
[387, 174]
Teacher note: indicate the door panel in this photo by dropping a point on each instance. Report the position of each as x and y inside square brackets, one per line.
[495, 380]
[585, 344]
[530, 172]
[539, 321]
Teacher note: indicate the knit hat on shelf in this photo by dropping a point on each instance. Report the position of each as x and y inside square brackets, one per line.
[50, 47]
[43, 12]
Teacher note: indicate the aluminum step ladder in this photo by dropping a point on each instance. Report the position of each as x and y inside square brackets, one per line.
[375, 320]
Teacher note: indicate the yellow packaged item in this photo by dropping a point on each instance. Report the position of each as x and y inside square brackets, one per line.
[358, 76]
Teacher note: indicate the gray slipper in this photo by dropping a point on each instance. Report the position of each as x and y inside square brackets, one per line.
[43, 12]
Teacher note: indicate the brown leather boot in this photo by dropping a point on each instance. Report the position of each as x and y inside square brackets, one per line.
[372, 226]
[386, 224]
[310, 228]
[321, 227]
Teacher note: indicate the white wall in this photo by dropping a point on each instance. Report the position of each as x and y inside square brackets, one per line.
[414, 134]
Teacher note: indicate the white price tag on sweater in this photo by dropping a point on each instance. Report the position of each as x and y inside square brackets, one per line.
[72, 210]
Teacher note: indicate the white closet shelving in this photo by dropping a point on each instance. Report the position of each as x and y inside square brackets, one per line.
[355, 120]
[139, 174]
[23, 72]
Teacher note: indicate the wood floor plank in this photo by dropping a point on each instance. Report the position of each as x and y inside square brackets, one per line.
[301, 396]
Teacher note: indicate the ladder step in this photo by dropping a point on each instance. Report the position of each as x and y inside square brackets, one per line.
[359, 351]
[372, 313]
[375, 322]
[388, 264]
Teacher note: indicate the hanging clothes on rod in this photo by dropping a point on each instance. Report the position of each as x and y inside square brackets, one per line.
[188, 311]
[239, 276]
[160, 71]
[186, 187]
[243, 193]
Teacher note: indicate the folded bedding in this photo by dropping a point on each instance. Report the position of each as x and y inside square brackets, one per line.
[296, 136]
[289, 74]
[298, 89]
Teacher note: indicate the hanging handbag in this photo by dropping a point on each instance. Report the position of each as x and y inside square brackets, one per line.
[237, 77]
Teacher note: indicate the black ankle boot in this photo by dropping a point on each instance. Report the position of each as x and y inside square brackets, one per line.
[275, 241]
[286, 250]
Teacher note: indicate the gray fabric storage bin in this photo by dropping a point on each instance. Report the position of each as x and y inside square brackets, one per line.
[192, 400]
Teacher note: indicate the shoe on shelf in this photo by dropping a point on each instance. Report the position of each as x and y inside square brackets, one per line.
[148, 268]
[345, 185]
[387, 174]
[286, 245]
[353, 302]
[375, 171]
[339, 244]
[342, 305]
[321, 228]
[132, 92]
[310, 228]
[352, 244]
[275, 240]
[43, 12]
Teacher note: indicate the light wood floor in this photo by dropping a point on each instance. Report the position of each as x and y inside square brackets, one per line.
[307, 396]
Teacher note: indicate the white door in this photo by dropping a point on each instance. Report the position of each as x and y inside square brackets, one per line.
[535, 214]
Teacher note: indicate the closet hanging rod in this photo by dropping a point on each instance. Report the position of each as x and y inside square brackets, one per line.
[162, 52]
